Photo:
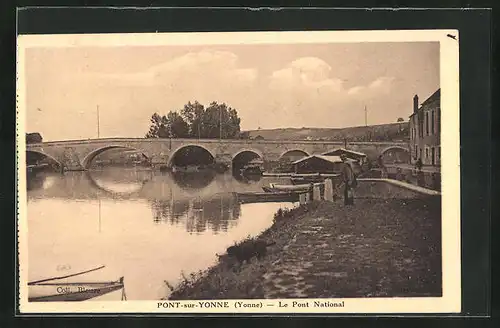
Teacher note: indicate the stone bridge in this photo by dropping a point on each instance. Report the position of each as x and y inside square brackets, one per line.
[78, 154]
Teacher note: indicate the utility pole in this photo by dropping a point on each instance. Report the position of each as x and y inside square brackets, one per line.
[366, 116]
[170, 135]
[98, 132]
[99, 215]
[220, 123]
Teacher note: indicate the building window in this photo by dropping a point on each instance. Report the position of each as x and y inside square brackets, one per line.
[432, 122]
[426, 153]
[416, 151]
[438, 129]
[438, 153]
[426, 123]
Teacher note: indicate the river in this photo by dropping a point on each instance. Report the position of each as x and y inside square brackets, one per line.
[149, 227]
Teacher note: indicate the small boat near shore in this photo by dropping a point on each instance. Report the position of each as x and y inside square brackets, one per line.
[312, 179]
[263, 197]
[306, 180]
[71, 291]
[290, 188]
[60, 289]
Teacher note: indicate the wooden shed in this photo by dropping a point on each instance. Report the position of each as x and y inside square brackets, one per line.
[318, 164]
[361, 157]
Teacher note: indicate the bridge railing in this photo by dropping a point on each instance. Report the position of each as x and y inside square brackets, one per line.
[236, 141]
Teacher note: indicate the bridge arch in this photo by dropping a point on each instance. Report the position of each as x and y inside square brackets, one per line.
[395, 148]
[41, 153]
[113, 190]
[248, 150]
[193, 145]
[283, 154]
[90, 156]
[402, 154]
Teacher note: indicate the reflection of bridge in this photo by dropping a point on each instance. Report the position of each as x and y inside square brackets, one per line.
[131, 184]
[207, 207]
[78, 154]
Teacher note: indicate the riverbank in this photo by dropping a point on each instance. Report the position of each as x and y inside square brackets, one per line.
[376, 248]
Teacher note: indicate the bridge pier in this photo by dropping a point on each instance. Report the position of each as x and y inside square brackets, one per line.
[224, 159]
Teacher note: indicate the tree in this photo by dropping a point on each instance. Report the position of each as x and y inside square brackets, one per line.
[178, 128]
[158, 128]
[170, 126]
[196, 121]
[193, 115]
[34, 137]
[221, 121]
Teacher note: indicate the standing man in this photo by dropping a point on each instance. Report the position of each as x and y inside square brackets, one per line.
[349, 180]
[419, 164]
[381, 165]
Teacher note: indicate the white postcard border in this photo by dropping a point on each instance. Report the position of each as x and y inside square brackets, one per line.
[450, 302]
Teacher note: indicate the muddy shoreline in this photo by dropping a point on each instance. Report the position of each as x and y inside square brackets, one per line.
[376, 248]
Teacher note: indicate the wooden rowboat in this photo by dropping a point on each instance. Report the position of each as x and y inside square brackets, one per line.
[59, 289]
[306, 180]
[71, 291]
[263, 197]
[289, 188]
[297, 180]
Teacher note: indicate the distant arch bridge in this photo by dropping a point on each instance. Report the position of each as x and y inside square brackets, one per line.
[79, 154]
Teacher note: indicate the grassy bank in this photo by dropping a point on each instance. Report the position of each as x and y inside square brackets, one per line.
[376, 248]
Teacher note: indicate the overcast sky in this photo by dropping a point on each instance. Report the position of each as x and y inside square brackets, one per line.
[271, 86]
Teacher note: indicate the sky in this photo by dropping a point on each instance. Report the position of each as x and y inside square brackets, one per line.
[271, 86]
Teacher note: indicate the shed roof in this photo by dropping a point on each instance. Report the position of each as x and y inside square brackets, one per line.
[331, 159]
[343, 150]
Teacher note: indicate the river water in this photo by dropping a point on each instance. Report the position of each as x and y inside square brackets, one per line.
[149, 227]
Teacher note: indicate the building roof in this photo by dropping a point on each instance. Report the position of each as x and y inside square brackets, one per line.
[343, 150]
[331, 159]
[434, 97]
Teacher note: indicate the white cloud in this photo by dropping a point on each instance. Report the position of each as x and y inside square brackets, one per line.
[185, 69]
[355, 90]
[305, 72]
[382, 82]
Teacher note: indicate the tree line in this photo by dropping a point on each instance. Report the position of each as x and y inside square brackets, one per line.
[197, 121]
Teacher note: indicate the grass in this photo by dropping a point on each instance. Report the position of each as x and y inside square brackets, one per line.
[227, 279]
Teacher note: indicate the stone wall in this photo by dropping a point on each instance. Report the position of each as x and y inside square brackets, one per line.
[387, 189]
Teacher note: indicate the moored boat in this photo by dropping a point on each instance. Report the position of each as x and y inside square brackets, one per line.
[306, 180]
[297, 180]
[290, 188]
[64, 289]
[71, 291]
[262, 197]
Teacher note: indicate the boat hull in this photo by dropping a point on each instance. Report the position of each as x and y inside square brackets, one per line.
[70, 292]
[305, 180]
[265, 197]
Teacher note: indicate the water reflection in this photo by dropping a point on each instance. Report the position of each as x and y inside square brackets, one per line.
[143, 225]
[193, 180]
[197, 200]
[216, 214]
[247, 178]
[115, 182]
[39, 181]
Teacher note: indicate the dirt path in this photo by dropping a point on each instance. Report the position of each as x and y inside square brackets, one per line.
[376, 248]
